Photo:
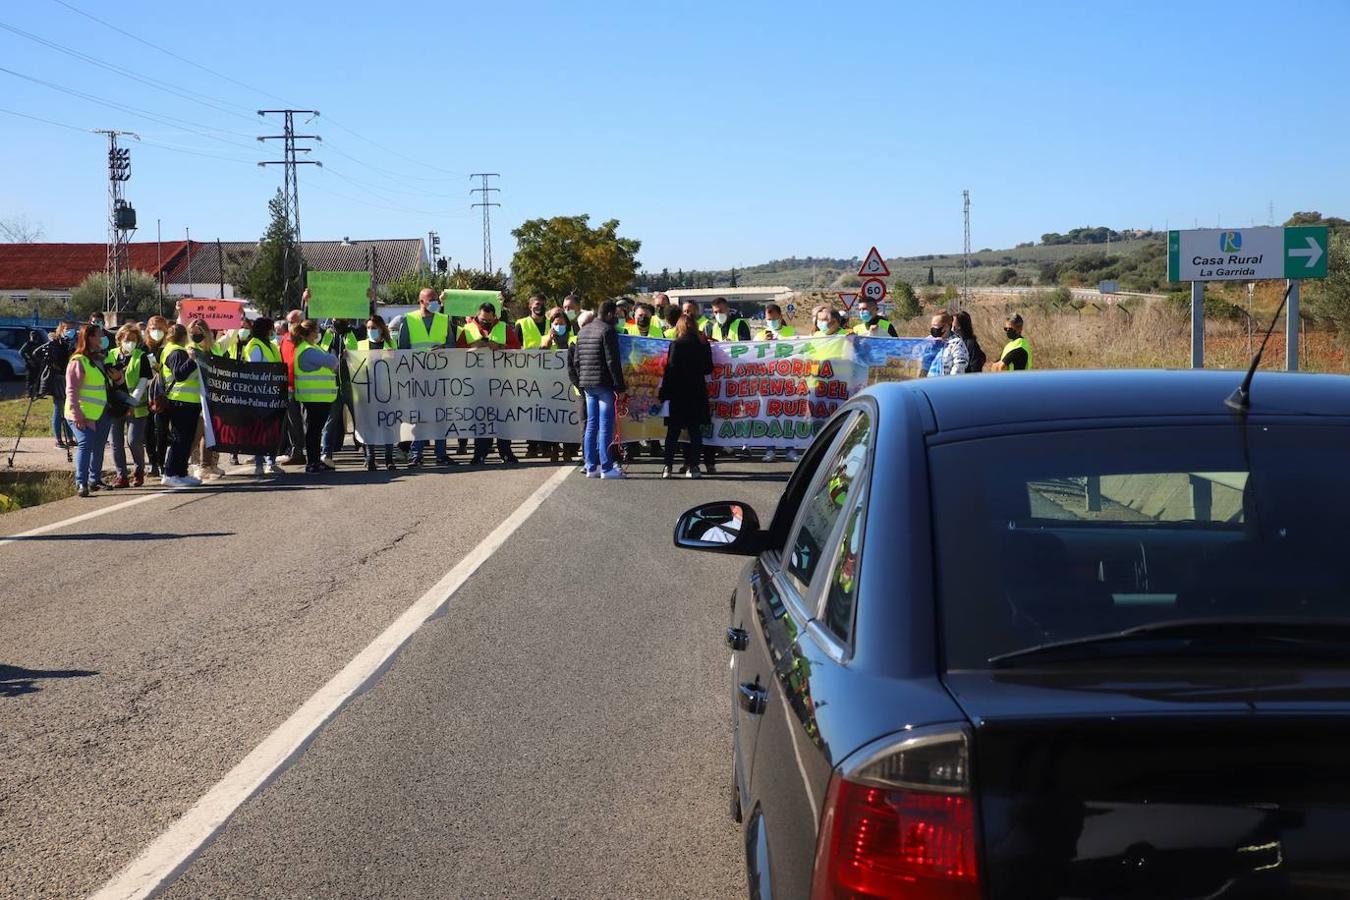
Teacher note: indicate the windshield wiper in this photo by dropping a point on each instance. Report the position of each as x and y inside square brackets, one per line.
[1271, 631]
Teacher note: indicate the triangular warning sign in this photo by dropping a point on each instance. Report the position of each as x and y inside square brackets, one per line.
[874, 264]
[848, 300]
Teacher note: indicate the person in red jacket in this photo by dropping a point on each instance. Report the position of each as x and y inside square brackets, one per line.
[295, 428]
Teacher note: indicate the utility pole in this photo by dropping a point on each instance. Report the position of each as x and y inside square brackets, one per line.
[965, 262]
[121, 222]
[220, 267]
[159, 266]
[485, 201]
[290, 190]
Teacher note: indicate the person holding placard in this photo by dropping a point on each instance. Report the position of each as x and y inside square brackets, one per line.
[486, 330]
[206, 459]
[259, 348]
[316, 387]
[295, 415]
[560, 336]
[377, 338]
[182, 391]
[157, 428]
[427, 329]
[531, 331]
[128, 432]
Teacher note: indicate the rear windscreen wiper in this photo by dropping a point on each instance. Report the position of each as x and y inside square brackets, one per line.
[1272, 631]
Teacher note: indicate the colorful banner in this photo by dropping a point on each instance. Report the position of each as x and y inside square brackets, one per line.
[407, 395]
[219, 315]
[770, 393]
[338, 295]
[243, 405]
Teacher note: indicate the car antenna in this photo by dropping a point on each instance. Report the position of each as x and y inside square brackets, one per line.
[1241, 399]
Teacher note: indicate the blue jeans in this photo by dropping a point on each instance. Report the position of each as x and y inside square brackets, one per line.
[60, 427]
[419, 446]
[89, 444]
[599, 434]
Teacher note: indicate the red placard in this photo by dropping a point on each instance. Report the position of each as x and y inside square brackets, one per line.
[218, 314]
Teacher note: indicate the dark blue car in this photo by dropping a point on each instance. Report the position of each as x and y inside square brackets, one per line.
[1049, 635]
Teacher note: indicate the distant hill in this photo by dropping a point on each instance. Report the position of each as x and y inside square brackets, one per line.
[1023, 265]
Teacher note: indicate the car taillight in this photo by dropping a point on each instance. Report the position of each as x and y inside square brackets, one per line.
[900, 824]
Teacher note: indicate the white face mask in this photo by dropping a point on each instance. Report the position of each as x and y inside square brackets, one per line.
[775, 324]
[823, 324]
[156, 334]
[721, 318]
[128, 347]
[571, 314]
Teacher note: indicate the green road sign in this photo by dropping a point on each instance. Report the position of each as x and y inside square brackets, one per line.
[1247, 254]
[1305, 251]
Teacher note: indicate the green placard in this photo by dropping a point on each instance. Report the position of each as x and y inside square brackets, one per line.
[465, 303]
[1305, 251]
[339, 295]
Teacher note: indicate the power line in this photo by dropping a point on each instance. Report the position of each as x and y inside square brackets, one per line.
[191, 151]
[166, 52]
[13, 112]
[485, 201]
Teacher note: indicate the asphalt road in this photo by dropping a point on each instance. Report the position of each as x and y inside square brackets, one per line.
[561, 730]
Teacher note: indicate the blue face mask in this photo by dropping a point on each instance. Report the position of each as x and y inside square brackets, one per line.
[104, 342]
[865, 315]
[434, 306]
[560, 329]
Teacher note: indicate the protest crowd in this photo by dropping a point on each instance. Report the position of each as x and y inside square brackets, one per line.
[141, 387]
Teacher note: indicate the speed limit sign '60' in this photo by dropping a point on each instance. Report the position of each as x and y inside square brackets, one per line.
[873, 289]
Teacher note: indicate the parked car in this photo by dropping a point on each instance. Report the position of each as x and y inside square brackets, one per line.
[12, 340]
[1063, 634]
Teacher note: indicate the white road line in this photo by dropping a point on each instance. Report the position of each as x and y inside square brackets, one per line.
[83, 517]
[174, 850]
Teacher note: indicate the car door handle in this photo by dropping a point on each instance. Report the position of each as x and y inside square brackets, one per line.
[737, 638]
[753, 698]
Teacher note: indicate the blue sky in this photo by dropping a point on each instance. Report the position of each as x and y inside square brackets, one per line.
[719, 134]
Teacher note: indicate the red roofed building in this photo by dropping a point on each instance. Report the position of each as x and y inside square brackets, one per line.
[58, 268]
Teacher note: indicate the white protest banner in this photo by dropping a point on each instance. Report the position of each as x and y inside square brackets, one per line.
[411, 395]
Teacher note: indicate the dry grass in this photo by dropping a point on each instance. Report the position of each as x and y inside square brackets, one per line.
[19, 489]
[1152, 336]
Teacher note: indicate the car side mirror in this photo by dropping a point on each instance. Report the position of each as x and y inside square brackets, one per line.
[727, 526]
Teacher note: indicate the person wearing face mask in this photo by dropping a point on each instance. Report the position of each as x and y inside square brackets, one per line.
[426, 329]
[559, 336]
[205, 460]
[531, 331]
[695, 312]
[661, 305]
[486, 330]
[571, 307]
[964, 327]
[87, 408]
[1016, 355]
[259, 348]
[644, 323]
[295, 414]
[105, 338]
[182, 391]
[829, 321]
[952, 359]
[722, 327]
[342, 334]
[625, 306]
[157, 423]
[774, 327]
[870, 324]
[137, 367]
[52, 359]
[316, 387]
[377, 338]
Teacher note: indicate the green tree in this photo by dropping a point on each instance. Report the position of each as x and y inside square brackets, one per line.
[403, 290]
[906, 301]
[733, 277]
[1330, 299]
[949, 295]
[1004, 276]
[930, 275]
[90, 296]
[563, 254]
[271, 279]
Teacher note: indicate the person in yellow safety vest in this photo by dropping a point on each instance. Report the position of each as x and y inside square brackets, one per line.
[571, 307]
[316, 387]
[1016, 355]
[485, 330]
[137, 370]
[428, 328]
[182, 389]
[259, 348]
[693, 311]
[377, 338]
[723, 327]
[335, 431]
[339, 327]
[644, 323]
[828, 321]
[661, 305]
[870, 324]
[531, 329]
[86, 407]
[670, 320]
[774, 327]
[206, 459]
[625, 305]
[559, 335]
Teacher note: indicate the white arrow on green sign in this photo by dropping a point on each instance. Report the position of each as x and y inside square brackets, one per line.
[1247, 254]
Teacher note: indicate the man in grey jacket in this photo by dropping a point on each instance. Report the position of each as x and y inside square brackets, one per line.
[598, 371]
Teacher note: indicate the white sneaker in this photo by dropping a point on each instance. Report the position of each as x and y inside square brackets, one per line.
[613, 472]
[769, 455]
[793, 456]
[276, 469]
[193, 472]
[590, 473]
[665, 472]
[189, 481]
[166, 480]
[693, 473]
[284, 460]
[258, 470]
[326, 459]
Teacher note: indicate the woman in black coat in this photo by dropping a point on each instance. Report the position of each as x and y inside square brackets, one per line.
[685, 387]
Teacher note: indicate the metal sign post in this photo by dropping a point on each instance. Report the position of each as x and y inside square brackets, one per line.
[1291, 321]
[1197, 324]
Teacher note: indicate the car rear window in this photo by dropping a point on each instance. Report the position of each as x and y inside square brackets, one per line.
[1051, 537]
